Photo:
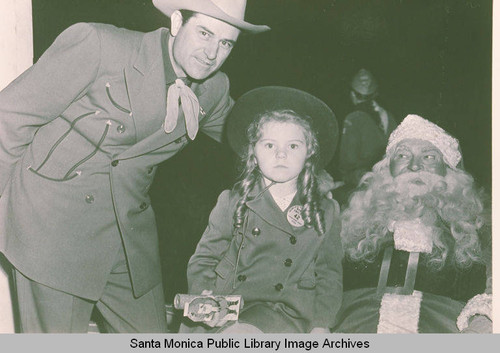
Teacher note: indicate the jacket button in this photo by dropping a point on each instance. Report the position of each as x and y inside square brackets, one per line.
[121, 129]
[179, 140]
[143, 206]
[242, 278]
[255, 231]
[293, 240]
[89, 198]
[114, 163]
[278, 287]
[288, 262]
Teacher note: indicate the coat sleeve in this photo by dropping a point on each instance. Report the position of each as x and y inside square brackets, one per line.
[213, 126]
[39, 95]
[329, 272]
[211, 248]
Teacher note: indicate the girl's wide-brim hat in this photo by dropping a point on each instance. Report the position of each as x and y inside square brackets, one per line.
[229, 11]
[254, 103]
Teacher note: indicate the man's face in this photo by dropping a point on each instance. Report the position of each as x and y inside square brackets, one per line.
[414, 155]
[201, 45]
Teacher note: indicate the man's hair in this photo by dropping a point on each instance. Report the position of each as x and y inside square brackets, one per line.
[456, 214]
[186, 15]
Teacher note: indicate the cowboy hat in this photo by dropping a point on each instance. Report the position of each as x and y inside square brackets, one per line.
[254, 103]
[229, 11]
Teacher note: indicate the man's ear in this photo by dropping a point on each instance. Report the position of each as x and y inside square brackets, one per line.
[175, 22]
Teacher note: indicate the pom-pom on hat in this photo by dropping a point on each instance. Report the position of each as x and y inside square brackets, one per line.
[416, 127]
[229, 11]
[258, 101]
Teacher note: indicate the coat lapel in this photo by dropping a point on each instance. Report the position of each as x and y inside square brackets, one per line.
[146, 82]
[264, 206]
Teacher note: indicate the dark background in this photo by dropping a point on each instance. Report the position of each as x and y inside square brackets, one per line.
[431, 57]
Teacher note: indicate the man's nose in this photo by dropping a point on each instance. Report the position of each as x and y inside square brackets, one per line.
[211, 49]
[415, 164]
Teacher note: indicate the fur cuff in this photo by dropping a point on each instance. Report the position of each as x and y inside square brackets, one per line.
[399, 313]
[478, 305]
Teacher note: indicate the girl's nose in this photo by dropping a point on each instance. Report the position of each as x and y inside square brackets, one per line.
[280, 154]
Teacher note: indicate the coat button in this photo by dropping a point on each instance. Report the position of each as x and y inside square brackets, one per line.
[179, 140]
[121, 129]
[242, 278]
[278, 287]
[89, 198]
[143, 206]
[255, 231]
[288, 262]
[293, 240]
[114, 163]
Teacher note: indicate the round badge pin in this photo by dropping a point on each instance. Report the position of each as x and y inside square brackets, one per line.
[294, 216]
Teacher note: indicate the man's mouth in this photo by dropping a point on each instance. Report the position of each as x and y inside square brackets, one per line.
[204, 62]
[417, 181]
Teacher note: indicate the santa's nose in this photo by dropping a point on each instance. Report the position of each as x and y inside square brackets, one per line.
[414, 165]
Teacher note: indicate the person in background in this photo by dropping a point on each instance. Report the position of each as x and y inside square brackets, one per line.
[274, 238]
[81, 134]
[417, 238]
[364, 136]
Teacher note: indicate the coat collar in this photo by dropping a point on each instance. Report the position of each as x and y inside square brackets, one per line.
[263, 204]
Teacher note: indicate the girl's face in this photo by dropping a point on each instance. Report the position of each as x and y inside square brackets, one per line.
[281, 151]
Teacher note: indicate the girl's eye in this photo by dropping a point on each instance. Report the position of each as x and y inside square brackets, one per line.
[294, 146]
[269, 145]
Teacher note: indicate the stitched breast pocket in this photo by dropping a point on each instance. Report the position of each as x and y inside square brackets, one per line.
[117, 96]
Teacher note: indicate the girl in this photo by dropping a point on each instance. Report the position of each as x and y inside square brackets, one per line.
[274, 239]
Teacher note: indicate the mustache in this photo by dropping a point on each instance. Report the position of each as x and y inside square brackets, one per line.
[416, 183]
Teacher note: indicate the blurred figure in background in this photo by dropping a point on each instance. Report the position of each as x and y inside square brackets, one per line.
[365, 133]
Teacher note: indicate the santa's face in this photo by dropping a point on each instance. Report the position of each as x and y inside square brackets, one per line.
[416, 166]
[413, 155]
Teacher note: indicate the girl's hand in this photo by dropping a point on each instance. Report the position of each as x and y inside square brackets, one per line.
[320, 330]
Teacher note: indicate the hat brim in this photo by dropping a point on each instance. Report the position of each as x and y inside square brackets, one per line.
[207, 8]
[254, 103]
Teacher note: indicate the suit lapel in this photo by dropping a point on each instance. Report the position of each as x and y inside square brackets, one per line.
[146, 82]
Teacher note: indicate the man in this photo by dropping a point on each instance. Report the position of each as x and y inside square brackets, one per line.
[418, 240]
[82, 131]
[365, 133]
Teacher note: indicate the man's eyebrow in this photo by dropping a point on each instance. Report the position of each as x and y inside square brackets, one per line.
[205, 29]
[431, 149]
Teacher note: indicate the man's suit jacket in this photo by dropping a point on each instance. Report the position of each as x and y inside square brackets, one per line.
[80, 137]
